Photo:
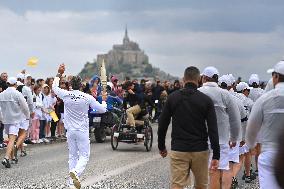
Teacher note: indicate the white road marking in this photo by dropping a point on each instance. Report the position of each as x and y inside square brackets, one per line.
[94, 179]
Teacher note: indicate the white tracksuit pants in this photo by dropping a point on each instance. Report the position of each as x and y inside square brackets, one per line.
[79, 150]
[266, 170]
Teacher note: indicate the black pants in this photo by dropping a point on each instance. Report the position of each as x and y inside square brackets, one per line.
[1, 133]
[42, 124]
[53, 128]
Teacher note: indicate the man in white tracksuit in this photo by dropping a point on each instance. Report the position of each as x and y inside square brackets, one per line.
[226, 82]
[267, 118]
[243, 91]
[228, 120]
[76, 106]
[255, 93]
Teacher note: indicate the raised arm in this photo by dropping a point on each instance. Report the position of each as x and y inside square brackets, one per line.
[55, 85]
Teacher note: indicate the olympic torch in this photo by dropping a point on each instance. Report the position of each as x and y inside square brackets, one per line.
[103, 77]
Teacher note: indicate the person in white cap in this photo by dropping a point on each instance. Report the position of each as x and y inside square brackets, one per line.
[235, 157]
[25, 123]
[255, 93]
[243, 91]
[267, 118]
[228, 121]
[76, 106]
[13, 106]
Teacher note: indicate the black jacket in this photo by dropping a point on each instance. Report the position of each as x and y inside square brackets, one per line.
[190, 110]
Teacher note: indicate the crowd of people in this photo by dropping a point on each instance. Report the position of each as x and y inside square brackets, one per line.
[240, 119]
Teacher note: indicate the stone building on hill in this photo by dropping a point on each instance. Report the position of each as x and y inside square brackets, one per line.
[127, 53]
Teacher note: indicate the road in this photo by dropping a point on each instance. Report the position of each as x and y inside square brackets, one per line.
[130, 166]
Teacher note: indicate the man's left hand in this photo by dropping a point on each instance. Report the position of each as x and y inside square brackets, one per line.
[164, 153]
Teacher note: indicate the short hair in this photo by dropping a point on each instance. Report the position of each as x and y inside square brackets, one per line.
[281, 78]
[192, 73]
[76, 82]
[224, 85]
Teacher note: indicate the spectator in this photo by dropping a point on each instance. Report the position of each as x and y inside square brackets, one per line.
[38, 105]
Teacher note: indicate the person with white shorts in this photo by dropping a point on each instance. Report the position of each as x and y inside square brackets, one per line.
[25, 123]
[13, 106]
[267, 118]
[228, 121]
[76, 106]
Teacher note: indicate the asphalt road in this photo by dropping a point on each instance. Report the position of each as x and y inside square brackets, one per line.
[46, 166]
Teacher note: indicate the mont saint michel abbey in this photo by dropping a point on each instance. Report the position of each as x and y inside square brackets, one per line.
[127, 53]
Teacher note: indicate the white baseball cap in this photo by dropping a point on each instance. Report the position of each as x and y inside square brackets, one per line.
[12, 80]
[225, 79]
[254, 79]
[278, 68]
[210, 71]
[21, 76]
[27, 75]
[242, 86]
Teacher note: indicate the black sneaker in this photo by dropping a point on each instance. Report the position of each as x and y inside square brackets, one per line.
[252, 175]
[256, 172]
[3, 145]
[248, 179]
[235, 183]
[6, 163]
[23, 153]
[14, 161]
[244, 176]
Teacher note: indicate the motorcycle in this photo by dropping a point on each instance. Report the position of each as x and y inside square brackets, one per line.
[101, 124]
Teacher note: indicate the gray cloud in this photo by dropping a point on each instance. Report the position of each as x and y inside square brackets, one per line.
[241, 37]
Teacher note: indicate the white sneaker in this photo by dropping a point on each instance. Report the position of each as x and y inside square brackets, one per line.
[75, 178]
[24, 144]
[40, 141]
[45, 140]
[34, 141]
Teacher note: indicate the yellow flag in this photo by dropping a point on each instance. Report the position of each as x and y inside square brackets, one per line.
[32, 62]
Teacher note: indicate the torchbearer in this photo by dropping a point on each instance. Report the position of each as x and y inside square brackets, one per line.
[76, 106]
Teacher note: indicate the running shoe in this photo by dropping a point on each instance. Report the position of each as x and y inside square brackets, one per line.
[248, 179]
[6, 163]
[75, 178]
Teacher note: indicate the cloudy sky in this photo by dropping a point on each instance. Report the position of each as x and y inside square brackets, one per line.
[239, 37]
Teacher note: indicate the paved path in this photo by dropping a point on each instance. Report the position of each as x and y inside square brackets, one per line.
[128, 167]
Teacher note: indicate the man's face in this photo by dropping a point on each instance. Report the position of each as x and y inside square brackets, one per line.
[275, 78]
[4, 77]
[28, 81]
[246, 92]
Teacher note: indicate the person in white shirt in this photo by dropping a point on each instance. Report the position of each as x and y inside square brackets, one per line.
[255, 93]
[47, 107]
[13, 106]
[235, 155]
[228, 120]
[267, 118]
[25, 123]
[38, 106]
[243, 91]
[76, 106]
